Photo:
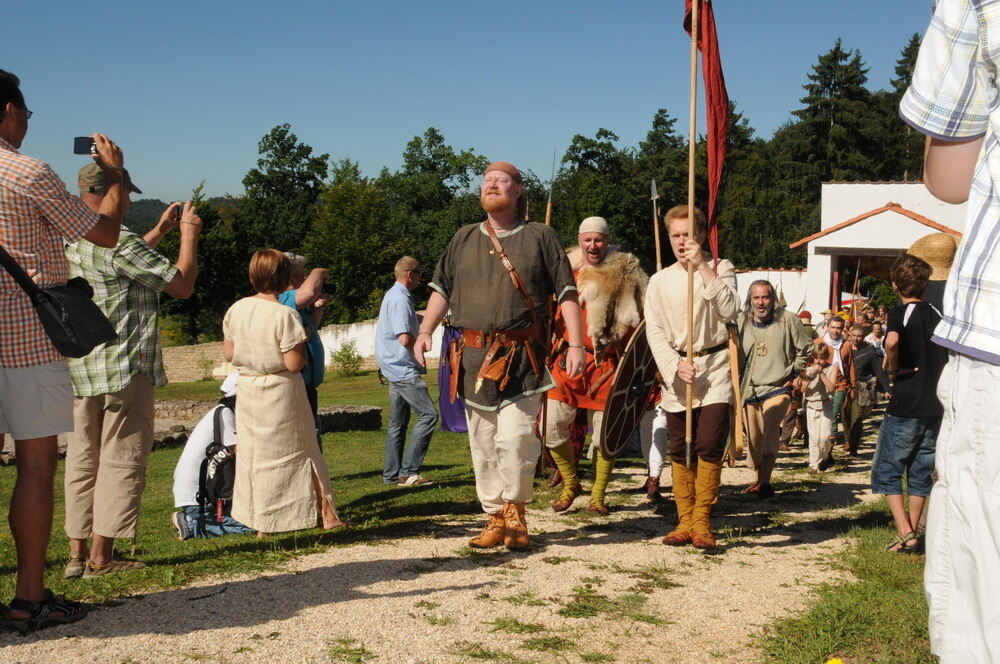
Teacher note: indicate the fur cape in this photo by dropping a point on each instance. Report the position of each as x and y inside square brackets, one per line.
[613, 292]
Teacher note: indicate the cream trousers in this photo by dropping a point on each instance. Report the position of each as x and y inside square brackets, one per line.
[504, 452]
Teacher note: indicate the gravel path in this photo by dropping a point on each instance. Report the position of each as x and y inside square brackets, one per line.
[588, 590]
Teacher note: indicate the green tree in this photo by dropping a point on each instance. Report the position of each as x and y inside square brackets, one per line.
[281, 193]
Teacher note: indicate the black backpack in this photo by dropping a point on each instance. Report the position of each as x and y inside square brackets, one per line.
[217, 476]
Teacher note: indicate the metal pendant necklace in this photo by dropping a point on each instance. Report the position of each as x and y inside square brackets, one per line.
[760, 347]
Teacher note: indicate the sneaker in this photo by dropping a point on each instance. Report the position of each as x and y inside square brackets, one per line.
[180, 521]
[111, 567]
[414, 480]
[74, 568]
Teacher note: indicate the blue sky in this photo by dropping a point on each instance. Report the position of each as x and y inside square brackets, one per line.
[188, 88]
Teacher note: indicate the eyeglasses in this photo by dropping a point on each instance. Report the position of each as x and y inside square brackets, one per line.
[416, 272]
[27, 113]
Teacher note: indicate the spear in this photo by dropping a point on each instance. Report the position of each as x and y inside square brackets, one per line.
[552, 182]
[653, 195]
[693, 128]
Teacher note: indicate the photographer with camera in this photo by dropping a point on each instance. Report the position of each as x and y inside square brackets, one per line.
[37, 216]
[113, 410]
[308, 296]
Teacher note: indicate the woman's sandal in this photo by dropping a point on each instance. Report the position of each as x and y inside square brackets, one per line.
[899, 544]
[40, 613]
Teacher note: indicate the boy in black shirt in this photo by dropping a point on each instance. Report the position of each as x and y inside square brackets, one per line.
[909, 431]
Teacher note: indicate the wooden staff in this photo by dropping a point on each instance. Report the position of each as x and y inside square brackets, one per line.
[653, 195]
[693, 110]
[854, 293]
[735, 450]
[552, 184]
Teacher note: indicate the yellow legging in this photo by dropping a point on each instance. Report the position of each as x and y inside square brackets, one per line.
[602, 475]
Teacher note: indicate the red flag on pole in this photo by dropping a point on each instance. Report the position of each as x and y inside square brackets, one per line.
[716, 113]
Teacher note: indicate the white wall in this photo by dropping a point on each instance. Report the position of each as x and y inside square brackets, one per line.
[790, 283]
[363, 332]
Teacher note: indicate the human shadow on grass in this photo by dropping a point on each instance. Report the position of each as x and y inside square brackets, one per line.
[376, 473]
[246, 603]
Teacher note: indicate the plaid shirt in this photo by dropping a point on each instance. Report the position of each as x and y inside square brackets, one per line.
[127, 281]
[953, 97]
[37, 217]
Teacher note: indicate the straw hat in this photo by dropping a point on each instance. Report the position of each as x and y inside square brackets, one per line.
[938, 249]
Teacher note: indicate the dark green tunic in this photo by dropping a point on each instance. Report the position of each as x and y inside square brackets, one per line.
[482, 297]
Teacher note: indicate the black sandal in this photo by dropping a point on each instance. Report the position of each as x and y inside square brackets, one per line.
[40, 613]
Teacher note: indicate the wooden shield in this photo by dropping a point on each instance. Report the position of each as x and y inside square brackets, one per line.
[634, 379]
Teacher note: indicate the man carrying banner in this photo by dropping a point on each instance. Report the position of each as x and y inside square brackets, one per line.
[497, 276]
[696, 488]
[611, 286]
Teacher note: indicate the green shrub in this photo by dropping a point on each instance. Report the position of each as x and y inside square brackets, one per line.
[346, 359]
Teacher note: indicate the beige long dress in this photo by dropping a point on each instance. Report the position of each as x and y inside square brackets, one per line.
[278, 453]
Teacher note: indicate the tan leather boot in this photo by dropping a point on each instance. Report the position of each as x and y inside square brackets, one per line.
[683, 478]
[515, 534]
[492, 534]
[706, 486]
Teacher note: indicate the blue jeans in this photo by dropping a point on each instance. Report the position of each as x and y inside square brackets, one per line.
[404, 396]
[905, 445]
[203, 523]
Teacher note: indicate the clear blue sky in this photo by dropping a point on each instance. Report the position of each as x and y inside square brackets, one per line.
[188, 88]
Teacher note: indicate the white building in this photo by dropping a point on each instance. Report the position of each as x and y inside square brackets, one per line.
[868, 224]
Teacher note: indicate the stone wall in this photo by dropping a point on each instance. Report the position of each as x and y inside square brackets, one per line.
[185, 364]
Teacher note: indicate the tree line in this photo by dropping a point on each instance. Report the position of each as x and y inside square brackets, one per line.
[357, 226]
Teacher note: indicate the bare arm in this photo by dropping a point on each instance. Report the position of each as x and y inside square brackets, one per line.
[182, 285]
[168, 221]
[311, 289]
[109, 157]
[949, 166]
[576, 356]
[891, 361]
[406, 340]
[437, 307]
[295, 359]
[227, 349]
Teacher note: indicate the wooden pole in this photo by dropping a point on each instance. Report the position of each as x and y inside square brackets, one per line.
[854, 294]
[656, 227]
[692, 145]
[552, 182]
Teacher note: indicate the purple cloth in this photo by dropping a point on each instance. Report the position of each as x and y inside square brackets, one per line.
[452, 414]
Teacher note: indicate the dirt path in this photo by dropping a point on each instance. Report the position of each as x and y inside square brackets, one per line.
[588, 590]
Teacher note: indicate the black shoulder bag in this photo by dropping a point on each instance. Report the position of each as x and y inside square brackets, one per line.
[74, 324]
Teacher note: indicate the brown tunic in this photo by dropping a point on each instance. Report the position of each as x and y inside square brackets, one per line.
[482, 297]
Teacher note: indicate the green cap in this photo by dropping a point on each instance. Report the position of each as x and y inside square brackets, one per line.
[91, 178]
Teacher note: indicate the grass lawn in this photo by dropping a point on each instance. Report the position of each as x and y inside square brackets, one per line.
[880, 618]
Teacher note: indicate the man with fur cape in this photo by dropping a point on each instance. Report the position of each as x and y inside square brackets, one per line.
[611, 286]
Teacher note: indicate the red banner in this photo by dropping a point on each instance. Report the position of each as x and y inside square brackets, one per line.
[717, 111]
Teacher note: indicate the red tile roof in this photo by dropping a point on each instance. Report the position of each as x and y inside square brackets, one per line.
[888, 207]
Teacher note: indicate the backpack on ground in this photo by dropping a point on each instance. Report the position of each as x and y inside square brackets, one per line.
[217, 476]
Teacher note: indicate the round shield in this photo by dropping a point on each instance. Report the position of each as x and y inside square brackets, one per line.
[634, 379]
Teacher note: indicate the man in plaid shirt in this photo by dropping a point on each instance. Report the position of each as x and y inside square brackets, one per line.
[37, 216]
[952, 99]
[113, 410]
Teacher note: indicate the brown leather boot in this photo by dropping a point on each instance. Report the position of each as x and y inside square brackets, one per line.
[555, 479]
[653, 488]
[683, 478]
[492, 534]
[706, 487]
[515, 534]
[566, 498]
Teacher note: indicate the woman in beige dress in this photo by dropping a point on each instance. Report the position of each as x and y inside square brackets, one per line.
[282, 482]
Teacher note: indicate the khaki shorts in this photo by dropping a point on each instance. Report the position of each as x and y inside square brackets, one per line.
[36, 402]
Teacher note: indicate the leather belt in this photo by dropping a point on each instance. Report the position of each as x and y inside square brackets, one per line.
[483, 338]
[706, 351]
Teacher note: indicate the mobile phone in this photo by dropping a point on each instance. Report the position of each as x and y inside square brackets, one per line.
[84, 145]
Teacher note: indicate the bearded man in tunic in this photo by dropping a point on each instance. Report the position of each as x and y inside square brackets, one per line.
[497, 278]
[696, 487]
[774, 348]
[611, 286]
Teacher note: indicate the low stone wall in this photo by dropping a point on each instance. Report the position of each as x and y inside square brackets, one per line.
[176, 419]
